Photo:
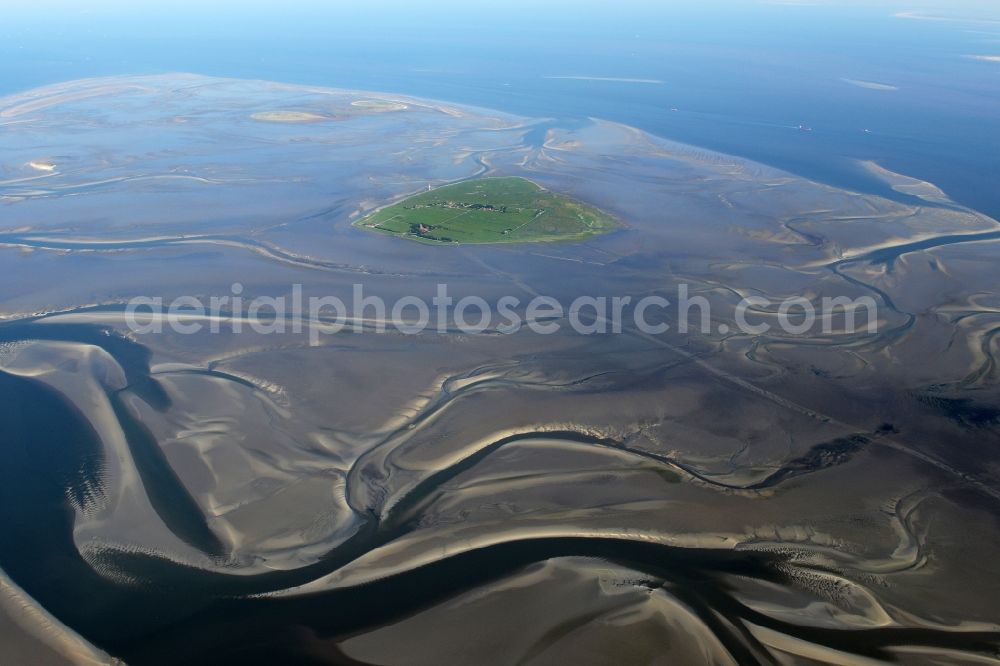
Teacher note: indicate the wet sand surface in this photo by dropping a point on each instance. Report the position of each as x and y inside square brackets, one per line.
[712, 497]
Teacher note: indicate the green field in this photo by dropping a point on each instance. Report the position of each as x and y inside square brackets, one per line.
[489, 210]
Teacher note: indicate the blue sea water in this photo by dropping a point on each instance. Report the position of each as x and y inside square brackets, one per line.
[739, 76]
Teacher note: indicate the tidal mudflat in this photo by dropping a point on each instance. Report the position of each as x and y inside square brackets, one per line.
[448, 497]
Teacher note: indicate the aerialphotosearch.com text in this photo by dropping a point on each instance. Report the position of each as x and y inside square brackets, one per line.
[361, 312]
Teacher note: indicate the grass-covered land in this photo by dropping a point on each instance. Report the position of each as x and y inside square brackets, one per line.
[489, 210]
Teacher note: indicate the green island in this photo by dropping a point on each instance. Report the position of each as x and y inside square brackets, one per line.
[489, 210]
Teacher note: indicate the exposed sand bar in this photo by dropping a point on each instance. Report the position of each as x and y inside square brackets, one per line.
[288, 117]
[906, 184]
[870, 85]
[38, 635]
